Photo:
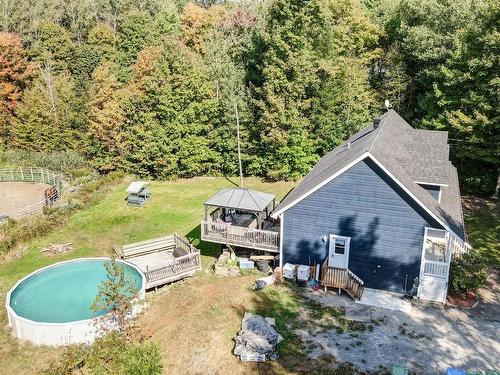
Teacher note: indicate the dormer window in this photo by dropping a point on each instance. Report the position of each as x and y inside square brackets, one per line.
[433, 190]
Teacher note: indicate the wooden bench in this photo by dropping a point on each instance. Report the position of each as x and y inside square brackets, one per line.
[146, 247]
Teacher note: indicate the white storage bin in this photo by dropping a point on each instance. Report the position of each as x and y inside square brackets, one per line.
[303, 272]
[289, 271]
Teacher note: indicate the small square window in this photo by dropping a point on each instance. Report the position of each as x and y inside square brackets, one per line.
[339, 246]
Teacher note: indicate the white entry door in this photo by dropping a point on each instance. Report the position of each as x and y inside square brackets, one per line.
[339, 251]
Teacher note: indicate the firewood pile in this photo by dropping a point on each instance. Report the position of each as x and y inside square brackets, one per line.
[57, 249]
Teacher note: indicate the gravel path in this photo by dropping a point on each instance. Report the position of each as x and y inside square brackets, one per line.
[428, 340]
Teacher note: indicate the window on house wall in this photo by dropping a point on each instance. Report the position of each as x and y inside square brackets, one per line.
[339, 246]
[433, 190]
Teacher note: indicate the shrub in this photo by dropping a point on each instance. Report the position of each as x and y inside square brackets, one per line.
[69, 163]
[120, 353]
[143, 358]
[468, 273]
[115, 296]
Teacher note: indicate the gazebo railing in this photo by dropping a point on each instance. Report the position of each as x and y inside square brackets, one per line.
[240, 236]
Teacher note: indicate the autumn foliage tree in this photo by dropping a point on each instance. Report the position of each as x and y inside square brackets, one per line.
[15, 75]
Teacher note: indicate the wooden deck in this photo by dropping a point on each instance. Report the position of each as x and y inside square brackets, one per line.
[341, 278]
[251, 238]
[156, 259]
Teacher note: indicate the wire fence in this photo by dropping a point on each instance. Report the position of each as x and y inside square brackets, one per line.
[51, 195]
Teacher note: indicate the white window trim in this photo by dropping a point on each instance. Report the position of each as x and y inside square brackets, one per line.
[282, 226]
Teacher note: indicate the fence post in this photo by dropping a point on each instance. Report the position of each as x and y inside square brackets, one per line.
[22, 174]
[11, 174]
[32, 177]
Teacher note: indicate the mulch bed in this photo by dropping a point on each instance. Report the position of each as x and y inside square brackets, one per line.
[464, 300]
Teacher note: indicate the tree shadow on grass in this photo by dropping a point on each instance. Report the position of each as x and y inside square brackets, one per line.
[206, 248]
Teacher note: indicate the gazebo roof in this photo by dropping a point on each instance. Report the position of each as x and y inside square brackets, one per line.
[241, 199]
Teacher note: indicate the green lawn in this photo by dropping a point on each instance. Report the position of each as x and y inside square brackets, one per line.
[482, 221]
[176, 206]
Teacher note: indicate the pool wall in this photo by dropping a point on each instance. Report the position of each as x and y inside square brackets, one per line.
[57, 334]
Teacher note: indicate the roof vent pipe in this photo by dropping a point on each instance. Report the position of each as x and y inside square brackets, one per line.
[376, 123]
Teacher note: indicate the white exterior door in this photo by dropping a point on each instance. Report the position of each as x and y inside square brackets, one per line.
[339, 251]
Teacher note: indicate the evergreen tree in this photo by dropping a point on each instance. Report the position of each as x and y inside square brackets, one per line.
[466, 94]
[301, 55]
[53, 47]
[46, 117]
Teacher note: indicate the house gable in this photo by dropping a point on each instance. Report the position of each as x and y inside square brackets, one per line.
[385, 224]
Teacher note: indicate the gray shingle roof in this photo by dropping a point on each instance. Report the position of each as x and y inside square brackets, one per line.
[241, 199]
[410, 155]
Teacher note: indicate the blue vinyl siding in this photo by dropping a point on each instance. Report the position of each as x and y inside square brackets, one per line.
[432, 190]
[385, 225]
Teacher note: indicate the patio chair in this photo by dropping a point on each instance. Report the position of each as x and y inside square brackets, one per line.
[399, 370]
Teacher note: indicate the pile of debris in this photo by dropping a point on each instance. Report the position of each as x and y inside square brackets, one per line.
[257, 339]
[57, 249]
[226, 265]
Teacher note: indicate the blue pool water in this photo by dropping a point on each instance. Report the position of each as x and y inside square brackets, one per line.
[65, 292]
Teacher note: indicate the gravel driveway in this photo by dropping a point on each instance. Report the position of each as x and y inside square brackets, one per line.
[428, 340]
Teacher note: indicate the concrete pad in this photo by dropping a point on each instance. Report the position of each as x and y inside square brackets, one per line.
[359, 313]
[377, 298]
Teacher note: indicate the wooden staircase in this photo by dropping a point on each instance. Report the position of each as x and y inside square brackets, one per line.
[341, 278]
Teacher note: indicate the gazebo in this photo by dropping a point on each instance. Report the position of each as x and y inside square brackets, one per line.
[241, 207]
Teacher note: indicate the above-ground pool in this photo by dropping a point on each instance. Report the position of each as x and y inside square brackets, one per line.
[52, 306]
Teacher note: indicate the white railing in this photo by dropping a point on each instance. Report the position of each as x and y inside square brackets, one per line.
[436, 269]
[240, 236]
[30, 174]
[458, 247]
[355, 277]
[35, 175]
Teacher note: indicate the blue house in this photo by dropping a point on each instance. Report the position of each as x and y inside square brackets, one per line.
[380, 211]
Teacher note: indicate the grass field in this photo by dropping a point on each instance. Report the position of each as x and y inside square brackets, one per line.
[192, 320]
[177, 206]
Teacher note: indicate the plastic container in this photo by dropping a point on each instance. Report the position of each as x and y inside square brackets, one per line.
[289, 271]
[303, 272]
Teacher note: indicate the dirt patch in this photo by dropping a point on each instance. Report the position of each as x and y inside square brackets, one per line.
[194, 322]
[17, 198]
[464, 300]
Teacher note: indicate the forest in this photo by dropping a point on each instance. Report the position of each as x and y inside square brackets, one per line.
[156, 87]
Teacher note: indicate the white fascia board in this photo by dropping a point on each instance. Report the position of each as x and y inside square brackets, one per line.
[319, 186]
[412, 195]
[282, 226]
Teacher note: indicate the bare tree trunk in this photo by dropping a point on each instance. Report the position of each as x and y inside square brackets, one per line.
[239, 147]
[497, 188]
[47, 78]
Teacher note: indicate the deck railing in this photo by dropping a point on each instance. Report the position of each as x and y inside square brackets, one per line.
[240, 236]
[341, 278]
[173, 268]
